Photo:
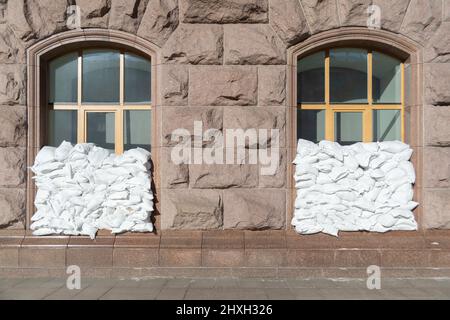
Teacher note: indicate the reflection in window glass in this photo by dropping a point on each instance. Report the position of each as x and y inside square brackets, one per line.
[101, 129]
[136, 129]
[348, 76]
[311, 79]
[62, 125]
[387, 79]
[101, 73]
[348, 127]
[63, 79]
[137, 79]
[387, 125]
[311, 125]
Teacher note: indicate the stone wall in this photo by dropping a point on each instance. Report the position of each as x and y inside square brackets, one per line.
[224, 62]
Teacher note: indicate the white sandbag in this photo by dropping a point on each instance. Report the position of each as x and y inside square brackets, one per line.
[306, 148]
[408, 168]
[393, 146]
[405, 155]
[387, 221]
[45, 155]
[44, 232]
[305, 177]
[63, 151]
[395, 174]
[44, 168]
[122, 195]
[306, 169]
[333, 149]
[351, 163]
[323, 156]
[377, 161]
[142, 227]
[308, 229]
[332, 162]
[410, 206]
[305, 160]
[377, 174]
[364, 158]
[338, 173]
[403, 194]
[324, 168]
[347, 195]
[97, 155]
[362, 187]
[371, 147]
[389, 165]
[138, 154]
[323, 178]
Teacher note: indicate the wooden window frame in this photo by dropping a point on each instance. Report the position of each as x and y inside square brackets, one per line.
[365, 108]
[118, 109]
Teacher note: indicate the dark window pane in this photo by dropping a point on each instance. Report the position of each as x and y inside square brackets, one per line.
[137, 79]
[137, 129]
[387, 125]
[311, 125]
[100, 129]
[387, 79]
[311, 79]
[348, 76]
[101, 73]
[62, 125]
[348, 127]
[63, 79]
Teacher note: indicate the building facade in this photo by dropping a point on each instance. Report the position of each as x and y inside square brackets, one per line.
[227, 64]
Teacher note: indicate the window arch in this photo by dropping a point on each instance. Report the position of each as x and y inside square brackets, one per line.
[395, 45]
[39, 102]
[350, 94]
[100, 95]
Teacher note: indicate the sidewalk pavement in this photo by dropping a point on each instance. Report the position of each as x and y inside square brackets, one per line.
[224, 289]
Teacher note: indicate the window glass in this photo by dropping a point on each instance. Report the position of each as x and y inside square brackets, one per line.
[100, 84]
[348, 75]
[101, 76]
[63, 79]
[101, 129]
[311, 125]
[311, 79]
[136, 129]
[348, 127]
[387, 79]
[137, 79]
[62, 126]
[387, 125]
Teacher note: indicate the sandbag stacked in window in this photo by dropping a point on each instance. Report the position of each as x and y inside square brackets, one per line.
[362, 187]
[84, 188]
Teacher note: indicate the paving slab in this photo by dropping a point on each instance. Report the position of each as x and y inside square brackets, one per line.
[225, 289]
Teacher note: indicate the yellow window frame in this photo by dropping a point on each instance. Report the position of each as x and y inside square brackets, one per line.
[118, 109]
[367, 109]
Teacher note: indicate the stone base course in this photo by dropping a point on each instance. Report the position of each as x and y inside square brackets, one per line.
[264, 254]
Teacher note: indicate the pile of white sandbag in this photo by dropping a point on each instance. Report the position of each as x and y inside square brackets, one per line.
[84, 188]
[362, 187]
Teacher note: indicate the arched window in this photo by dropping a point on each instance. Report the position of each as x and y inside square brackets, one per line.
[102, 96]
[350, 95]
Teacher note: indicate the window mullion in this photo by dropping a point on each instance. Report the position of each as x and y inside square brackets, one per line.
[402, 97]
[368, 114]
[119, 131]
[81, 136]
[119, 111]
[329, 116]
